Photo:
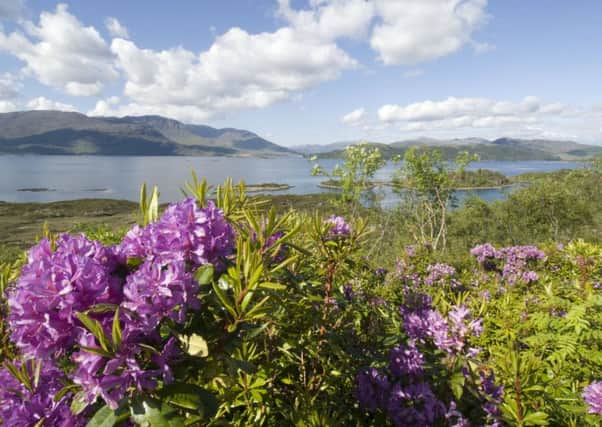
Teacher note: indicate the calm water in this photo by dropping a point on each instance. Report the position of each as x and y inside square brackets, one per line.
[76, 177]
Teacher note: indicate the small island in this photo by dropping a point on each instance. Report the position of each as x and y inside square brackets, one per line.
[480, 179]
[267, 186]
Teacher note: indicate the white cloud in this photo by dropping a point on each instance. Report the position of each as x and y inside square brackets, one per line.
[528, 118]
[41, 103]
[354, 117]
[463, 107]
[414, 31]
[62, 53]
[330, 19]
[240, 70]
[11, 9]
[116, 29]
[7, 106]
[9, 87]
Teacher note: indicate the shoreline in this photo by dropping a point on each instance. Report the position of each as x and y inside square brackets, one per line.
[390, 184]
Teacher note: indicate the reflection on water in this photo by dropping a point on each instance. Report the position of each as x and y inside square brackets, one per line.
[76, 177]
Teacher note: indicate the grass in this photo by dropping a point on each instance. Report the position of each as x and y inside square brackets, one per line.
[22, 223]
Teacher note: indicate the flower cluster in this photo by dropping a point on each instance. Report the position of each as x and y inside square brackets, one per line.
[53, 287]
[515, 261]
[439, 274]
[147, 279]
[404, 392]
[492, 394]
[24, 405]
[278, 252]
[197, 235]
[422, 322]
[339, 227]
[592, 395]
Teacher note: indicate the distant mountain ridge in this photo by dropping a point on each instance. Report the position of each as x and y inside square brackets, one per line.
[57, 132]
[512, 149]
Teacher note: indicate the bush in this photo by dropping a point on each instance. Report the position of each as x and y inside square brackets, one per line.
[220, 313]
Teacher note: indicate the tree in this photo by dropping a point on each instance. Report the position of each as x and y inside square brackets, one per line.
[425, 182]
[354, 177]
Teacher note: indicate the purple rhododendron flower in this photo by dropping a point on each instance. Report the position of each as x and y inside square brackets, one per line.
[339, 226]
[21, 407]
[160, 289]
[592, 395]
[281, 251]
[372, 390]
[454, 417]
[438, 273]
[53, 287]
[414, 405]
[406, 361]
[515, 258]
[184, 231]
[484, 252]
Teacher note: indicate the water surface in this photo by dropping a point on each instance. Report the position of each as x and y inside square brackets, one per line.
[53, 178]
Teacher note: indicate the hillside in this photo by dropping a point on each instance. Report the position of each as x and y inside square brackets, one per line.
[56, 132]
[499, 149]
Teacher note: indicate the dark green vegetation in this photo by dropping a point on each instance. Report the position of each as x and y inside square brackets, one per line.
[557, 206]
[55, 132]
[479, 179]
[280, 343]
[21, 223]
[267, 186]
[498, 149]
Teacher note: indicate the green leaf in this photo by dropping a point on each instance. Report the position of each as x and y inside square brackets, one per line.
[95, 327]
[102, 308]
[116, 330]
[536, 419]
[149, 412]
[195, 345]
[223, 298]
[457, 384]
[62, 392]
[20, 376]
[78, 404]
[272, 286]
[106, 417]
[192, 397]
[204, 274]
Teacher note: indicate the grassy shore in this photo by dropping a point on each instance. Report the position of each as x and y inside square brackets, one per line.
[21, 223]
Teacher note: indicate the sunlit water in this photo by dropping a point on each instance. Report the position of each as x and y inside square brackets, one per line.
[77, 177]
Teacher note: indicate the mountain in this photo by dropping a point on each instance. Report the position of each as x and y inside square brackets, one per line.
[57, 132]
[511, 149]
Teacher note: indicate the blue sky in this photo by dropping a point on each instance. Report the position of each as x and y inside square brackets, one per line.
[315, 71]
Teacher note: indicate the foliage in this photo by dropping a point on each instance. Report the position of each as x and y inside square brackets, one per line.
[219, 311]
[428, 194]
[353, 177]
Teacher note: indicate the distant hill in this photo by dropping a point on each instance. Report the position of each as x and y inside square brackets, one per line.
[57, 132]
[499, 149]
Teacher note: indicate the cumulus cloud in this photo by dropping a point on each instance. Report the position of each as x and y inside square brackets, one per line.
[465, 108]
[41, 103]
[414, 31]
[116, 29]
[11, 9]
[7, 106]
[62, 53]
[330, 19]
[354, 117]
[240, 70]
[528, 117]
[9, 87]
